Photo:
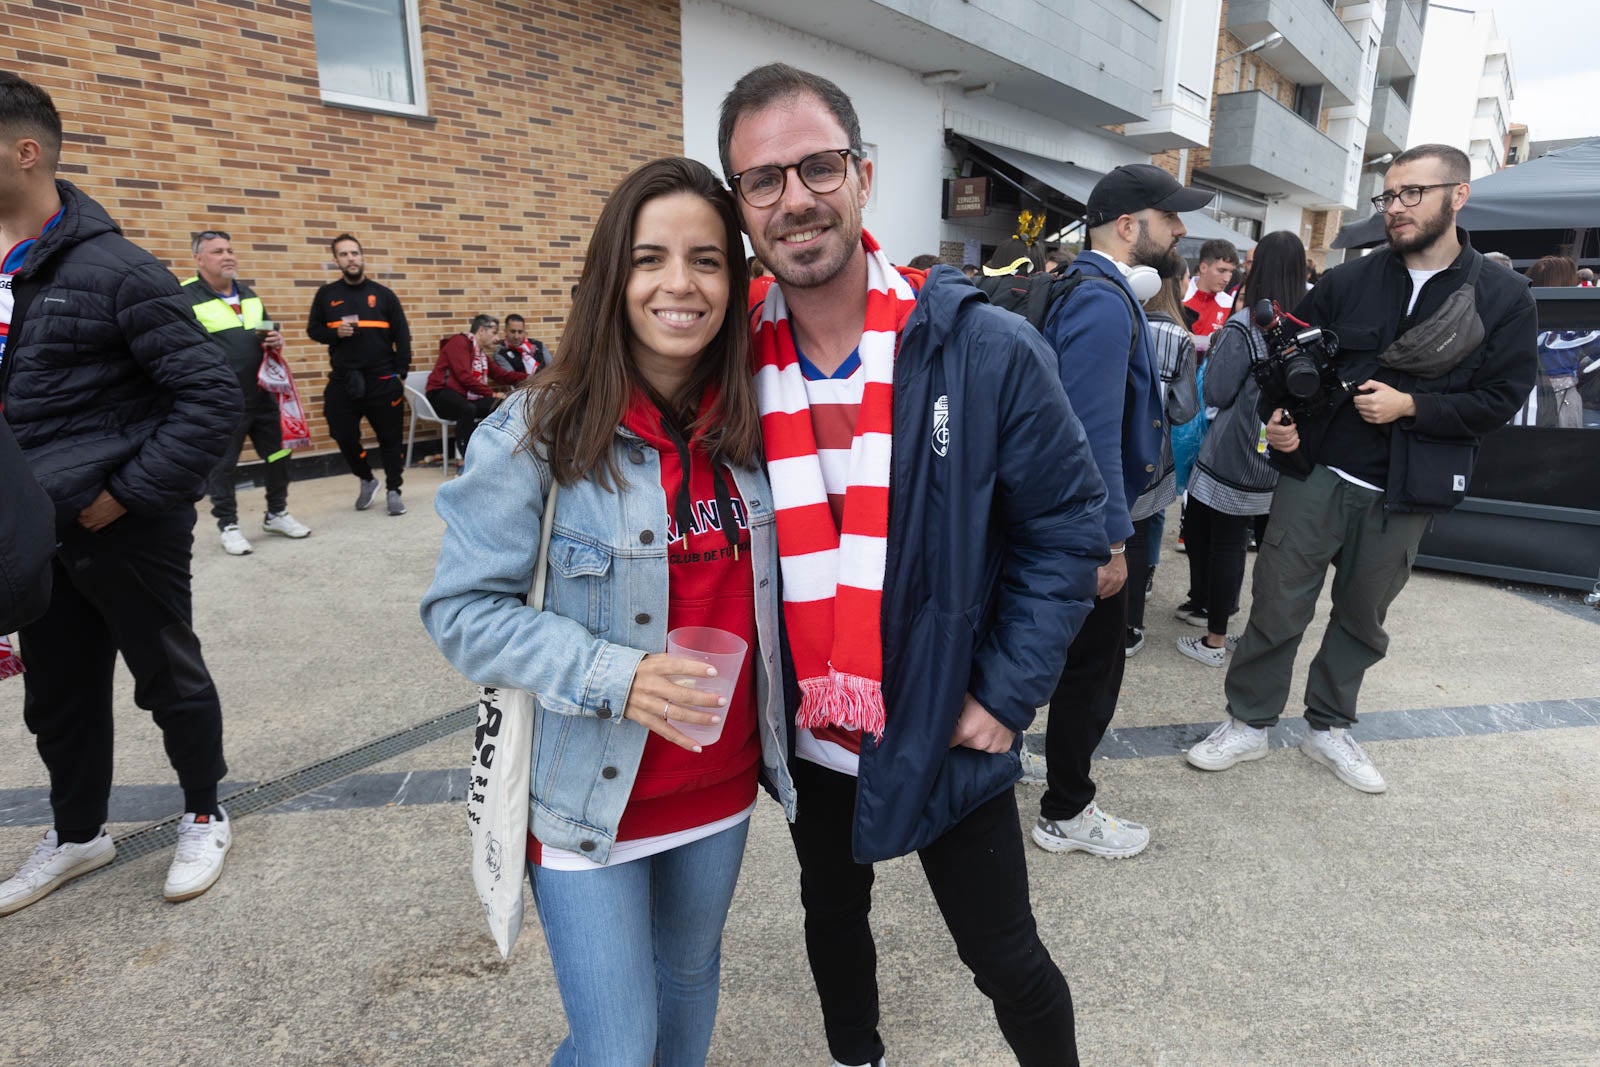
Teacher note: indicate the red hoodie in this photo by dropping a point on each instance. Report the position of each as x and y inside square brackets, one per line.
[466, 370]
[710, 582]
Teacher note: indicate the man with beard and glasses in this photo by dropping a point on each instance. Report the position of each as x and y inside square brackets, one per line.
[938, 516]
[1441, 347]
[369, 354]
[1108, 365]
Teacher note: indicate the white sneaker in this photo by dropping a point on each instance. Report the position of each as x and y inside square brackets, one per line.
[1230, 743]
[1091, 831]
[286, 524]
[234, 542]
[1034, 767]
[202, 846]
[1197, 649]
[1336, 750]
[52, 866]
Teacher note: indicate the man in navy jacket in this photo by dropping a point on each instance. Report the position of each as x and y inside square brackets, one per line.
[993, 539]
[1109, 370]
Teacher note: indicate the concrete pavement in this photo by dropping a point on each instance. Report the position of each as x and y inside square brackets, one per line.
[1278, 917]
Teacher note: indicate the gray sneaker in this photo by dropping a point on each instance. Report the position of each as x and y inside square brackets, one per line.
[369, 489]
[1091, 831]
[396, 505]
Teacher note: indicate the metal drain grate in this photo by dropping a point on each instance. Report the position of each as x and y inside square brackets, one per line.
[164, 834]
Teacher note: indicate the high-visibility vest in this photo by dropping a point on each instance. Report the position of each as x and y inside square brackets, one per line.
[217, 314]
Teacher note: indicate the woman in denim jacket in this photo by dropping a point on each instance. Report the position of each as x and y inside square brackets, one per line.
[648, 420]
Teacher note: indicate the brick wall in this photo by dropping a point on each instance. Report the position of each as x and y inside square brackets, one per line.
[183, 116]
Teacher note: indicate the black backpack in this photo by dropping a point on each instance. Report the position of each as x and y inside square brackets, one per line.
[1035, 297]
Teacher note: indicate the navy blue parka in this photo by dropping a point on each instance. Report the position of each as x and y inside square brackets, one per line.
[995, 535]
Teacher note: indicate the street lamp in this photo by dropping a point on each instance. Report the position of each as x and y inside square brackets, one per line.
[1266, 42]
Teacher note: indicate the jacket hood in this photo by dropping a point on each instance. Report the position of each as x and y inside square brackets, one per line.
[940, 300]
[81, 219]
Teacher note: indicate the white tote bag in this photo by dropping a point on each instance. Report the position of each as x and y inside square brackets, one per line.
[497, 792]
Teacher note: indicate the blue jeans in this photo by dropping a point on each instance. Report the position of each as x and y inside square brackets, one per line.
[637, 951]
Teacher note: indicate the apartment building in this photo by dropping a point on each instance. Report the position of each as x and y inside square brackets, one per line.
[1025, 105]
[1306, 93]
[1465, 86]
[1389, 125]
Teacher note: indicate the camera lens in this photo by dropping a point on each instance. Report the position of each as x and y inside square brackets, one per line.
[1300, 376]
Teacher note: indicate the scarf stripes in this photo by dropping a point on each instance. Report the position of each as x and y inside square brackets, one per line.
[833, 572]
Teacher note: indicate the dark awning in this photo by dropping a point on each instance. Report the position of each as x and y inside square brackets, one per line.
[1559, 191]
[1075, 183]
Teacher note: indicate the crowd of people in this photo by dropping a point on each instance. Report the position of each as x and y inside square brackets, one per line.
[717, 449]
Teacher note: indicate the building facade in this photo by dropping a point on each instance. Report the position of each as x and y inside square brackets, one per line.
[1465, 87]
[469, 144]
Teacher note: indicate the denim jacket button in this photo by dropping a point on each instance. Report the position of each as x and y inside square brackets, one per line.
[604, 712]
[608, 772]
[587, 846]
[641, 618]
[648, 537]
[635, 456]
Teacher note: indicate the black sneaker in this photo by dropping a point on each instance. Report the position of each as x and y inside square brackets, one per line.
[1135, 641]
[1191, 614]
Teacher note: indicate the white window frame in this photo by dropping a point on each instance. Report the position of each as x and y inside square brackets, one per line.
[419, 107]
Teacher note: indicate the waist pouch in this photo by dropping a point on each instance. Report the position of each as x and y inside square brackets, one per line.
[1436, 345]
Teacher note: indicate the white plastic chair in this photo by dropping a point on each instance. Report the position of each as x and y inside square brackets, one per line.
[416, 381]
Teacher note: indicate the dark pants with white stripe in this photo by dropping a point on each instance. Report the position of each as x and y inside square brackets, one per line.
[261, 424]
[124, 589]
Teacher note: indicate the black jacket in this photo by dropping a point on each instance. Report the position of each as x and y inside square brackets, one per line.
[381, 345]
[113, 385]
[1430, 455]
[27, 539]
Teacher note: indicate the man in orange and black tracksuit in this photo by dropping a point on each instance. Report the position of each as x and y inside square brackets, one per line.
[369, 353]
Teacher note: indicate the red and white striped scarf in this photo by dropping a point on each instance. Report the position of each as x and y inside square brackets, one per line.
[832, 572]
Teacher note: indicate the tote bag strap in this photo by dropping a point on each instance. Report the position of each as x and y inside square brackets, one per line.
[541, 569]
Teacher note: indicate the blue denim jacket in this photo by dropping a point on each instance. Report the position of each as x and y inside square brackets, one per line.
[605, 608]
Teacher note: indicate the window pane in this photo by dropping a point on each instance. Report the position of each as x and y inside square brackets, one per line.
[363, 48]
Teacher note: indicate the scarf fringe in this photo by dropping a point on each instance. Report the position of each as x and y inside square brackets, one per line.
[847, 700]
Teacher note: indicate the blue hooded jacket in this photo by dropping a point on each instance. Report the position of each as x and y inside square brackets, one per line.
[995, 534]
[1117, 397]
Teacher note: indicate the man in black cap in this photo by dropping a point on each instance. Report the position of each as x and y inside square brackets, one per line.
[1108, 367]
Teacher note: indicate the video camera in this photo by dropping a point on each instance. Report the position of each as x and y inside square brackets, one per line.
[1297, 373]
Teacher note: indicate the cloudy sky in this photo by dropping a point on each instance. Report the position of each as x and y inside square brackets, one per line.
[1555, 57]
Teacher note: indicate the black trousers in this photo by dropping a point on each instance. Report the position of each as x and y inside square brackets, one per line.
[1217, 543]
[466, 413]
[1083, 703]
[383, 407]
[124, 589]
[979, 877]
[1138, 557]
[260, 423]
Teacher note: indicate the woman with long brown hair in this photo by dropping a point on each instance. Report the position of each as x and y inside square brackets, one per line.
[647, 420]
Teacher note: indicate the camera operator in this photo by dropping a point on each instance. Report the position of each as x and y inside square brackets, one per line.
[1438, 350]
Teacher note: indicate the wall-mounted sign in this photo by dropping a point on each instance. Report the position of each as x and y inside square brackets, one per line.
[966, 198]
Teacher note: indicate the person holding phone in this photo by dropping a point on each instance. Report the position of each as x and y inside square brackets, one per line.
[237, 320]
[648, 422]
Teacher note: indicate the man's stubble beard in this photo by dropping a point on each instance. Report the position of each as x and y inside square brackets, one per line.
[1147, 252]
[817, 271]
[1425, 233]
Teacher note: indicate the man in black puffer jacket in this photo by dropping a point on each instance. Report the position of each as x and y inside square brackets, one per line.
[122, 406]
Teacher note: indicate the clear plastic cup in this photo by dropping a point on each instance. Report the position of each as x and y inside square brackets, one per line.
[720, 649]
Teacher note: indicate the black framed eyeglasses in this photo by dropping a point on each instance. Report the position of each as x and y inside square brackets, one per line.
[1410, 195]
[821, 172]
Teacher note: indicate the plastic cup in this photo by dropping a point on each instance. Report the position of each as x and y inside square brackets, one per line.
[720, 649]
